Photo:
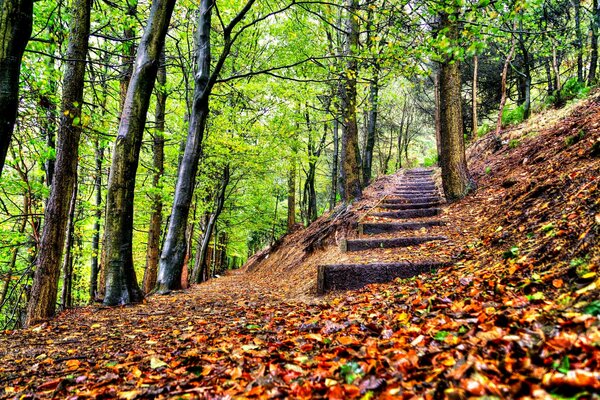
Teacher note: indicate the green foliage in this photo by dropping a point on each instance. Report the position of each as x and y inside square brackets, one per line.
[430, 161]
[513, 143]
[513, 116]
[513, 252]
[571, 140]
[488, 170]
[483, 130]
[572, 89]
[351, 371]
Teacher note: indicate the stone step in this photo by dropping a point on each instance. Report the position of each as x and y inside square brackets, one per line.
[355, 276]
[413, 200]
[373, 228]
[366, 244]
[416, 187]
[408, 214]
[391, 206]
[416, 192]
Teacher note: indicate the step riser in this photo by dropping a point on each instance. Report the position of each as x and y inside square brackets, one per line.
[415, 193]
[408, 206]
[414, 200]
[407, 214]
[419, 188]
[370, 229]
[366, 244]
[353, 276]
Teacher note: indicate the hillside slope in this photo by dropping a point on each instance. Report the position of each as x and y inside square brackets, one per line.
[515, 316]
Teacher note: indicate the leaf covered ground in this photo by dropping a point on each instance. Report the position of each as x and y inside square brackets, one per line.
[516, 316]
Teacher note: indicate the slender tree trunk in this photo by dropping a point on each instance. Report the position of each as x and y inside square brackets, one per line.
[437, 114]
[15, 28]
[334, 164]
[291, 199]
[99, 153]
[503, 87]
[121, 282]
[172, 256]
[595, 25]
[14, 252]
[350, 189]
[42, 302]
[153, 249]
[67, 287]
[128, 54]
[526, 75]
[371, 127]
[549, 80]
[578, 38]
[455, 175]
[474, 97]
[220, 202]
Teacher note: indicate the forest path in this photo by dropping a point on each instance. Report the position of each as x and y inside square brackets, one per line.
[398, 226]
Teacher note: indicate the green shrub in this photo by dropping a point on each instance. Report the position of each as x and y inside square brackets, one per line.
[574, 89]
[513, 116]
[483, 130]
[430, 161]
[514, 143]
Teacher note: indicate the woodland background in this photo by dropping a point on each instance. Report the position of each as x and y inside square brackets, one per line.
[270, 153]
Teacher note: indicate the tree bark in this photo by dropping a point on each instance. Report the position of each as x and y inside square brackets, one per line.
[437, 115]
[350, 187]
[291, 199]
[455, 175]
[578, 38]
[153, 249]
[121, 282]
[595, 25]
[16, 18]
[197, 275]
[371, 127]
[42, 302]
[474, 97]
[67, 287]
[334, 164]
[503, 87]
[99, 154]
[526, 74]
[173, 254]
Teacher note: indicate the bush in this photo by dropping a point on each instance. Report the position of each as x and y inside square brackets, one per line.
[483, 130]
[430, 161]
[574, 89]
[513, 116]
[570, 90]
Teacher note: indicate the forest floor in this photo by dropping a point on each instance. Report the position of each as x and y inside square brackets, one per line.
[514, 316]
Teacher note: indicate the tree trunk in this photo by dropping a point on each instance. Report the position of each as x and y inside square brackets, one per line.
[578, 38]
[128, 54]
[595, 25]
[42, 302]
[474, 98]
[350, 189]
[153, 248]
[549, 81]
[15, 28]
[67, 287]
[291, 199]
[371, 127]
[503, 87]
[220, 201]
[121, 282]
[334, 165]
[437, 115]
[173, 254]
[526, 74]
[99, 152]
[455, 176]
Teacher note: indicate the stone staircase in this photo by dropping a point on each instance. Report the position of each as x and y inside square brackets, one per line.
[402, 217]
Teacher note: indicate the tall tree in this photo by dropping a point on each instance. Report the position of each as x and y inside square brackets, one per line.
[158, 144]
[42, 301]
[455, 175]
[173, 253]
[350, 187]
[121, 282]
[16, 18]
